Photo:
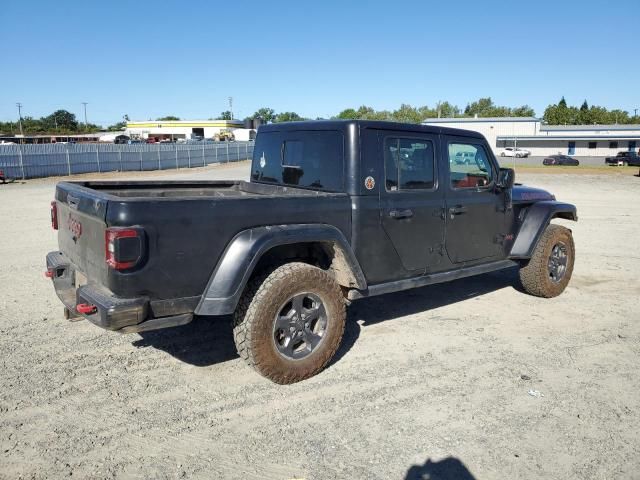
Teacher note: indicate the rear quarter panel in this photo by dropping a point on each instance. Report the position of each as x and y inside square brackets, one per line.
[186, 237]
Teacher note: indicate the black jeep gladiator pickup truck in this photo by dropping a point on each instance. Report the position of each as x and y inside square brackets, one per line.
[335, 211]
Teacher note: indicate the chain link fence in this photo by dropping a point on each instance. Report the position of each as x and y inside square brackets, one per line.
[55, 159]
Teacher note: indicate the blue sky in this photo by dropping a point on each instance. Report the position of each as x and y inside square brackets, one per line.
[316, 58]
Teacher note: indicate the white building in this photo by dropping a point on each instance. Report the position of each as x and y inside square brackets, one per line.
[541, 140]
[187, 129]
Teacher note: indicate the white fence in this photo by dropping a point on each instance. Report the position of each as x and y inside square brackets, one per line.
[46, 160]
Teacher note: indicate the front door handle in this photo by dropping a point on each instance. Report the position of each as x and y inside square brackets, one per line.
[457, 210]
[397, 214]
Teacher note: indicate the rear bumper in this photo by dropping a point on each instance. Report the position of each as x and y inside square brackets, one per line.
[125, 315]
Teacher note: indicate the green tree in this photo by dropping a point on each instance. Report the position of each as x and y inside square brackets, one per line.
[287, 117]
[560, 114]
[406, 114]
[619, 116]
[226, 115]
[60, 120]
[446, 110]
[268, 115]
[168, 118]
[483, 107]
[348, 114]
[117, 127]
[523, 111]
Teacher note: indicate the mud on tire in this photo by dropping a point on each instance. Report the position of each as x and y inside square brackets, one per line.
[549, 270]
[312, 303]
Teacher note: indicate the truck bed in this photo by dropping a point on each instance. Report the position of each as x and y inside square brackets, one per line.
[194, 189]
[187, 225]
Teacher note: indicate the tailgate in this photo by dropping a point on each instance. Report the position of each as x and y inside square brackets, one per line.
[81, 227]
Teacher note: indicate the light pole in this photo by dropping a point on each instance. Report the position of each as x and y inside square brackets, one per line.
[231, 106]
[85, 115]
[19, 105]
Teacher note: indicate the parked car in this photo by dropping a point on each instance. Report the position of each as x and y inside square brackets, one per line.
[121, 139]
[334, 211]
[630, 158]
[465, 158]
[6, 142]
[152, 140]
[4, 179]
[515, 152]
[560, 160]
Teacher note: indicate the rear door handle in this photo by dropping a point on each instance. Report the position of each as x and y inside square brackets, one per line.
[457, 210]
[397, 214]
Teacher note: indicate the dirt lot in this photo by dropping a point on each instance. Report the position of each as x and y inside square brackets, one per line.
[431, 382]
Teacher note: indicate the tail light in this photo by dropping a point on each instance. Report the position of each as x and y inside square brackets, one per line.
[123, 247]
[54, 215]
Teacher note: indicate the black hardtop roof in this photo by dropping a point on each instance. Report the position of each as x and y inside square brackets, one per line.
[377, 124]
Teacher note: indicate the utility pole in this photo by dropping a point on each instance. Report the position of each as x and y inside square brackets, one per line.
[19, 105]
[231, 106]
[85, 115]
[635, 112]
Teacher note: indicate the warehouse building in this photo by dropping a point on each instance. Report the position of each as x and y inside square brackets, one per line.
[531, 134]
[187, 129]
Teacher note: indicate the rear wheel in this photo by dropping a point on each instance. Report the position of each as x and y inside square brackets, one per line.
[549, 270]
[290, 322]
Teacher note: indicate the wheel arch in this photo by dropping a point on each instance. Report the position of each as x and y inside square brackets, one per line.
[250, 250]
[537, 217]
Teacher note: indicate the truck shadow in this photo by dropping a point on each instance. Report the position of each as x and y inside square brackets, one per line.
[209, 340]
[449, 468]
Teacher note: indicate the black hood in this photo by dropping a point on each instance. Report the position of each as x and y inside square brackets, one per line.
[523, 194]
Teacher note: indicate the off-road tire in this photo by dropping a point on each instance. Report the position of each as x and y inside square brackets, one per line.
[534, 275]
[257, 310]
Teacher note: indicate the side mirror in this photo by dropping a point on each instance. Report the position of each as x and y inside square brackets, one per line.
[506, 178]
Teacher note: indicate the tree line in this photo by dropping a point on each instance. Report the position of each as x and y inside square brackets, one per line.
[556, 114]
[63, 122]
[563, 114]
[59, 122]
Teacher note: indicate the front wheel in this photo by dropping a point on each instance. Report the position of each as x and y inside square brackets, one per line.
[289, 322]
[549, 270]
[502, 154]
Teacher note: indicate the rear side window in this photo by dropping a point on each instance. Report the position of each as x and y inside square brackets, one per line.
[311, 159]
[409, 164]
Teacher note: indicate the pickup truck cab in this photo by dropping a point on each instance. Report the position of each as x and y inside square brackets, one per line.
[622, 159]
[334, 211]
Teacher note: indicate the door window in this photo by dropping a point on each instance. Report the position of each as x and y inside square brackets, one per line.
[308, 159]
[469, 166]
[409, 164]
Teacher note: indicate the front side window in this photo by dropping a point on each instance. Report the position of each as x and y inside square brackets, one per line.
[469, 166]
[409, 164]
[593, 145]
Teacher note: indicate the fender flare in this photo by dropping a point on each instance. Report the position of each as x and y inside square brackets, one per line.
[537, 218]
[245, 250]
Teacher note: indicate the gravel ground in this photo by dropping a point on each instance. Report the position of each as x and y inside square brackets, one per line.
[430, 382]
